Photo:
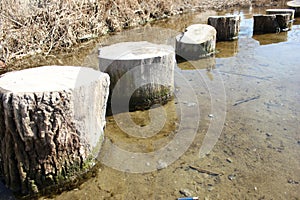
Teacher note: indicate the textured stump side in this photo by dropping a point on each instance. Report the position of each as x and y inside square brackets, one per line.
[227, 27]
[141, 74]
[265, 24]
[51, 124]
[284, 21]
[198, 41]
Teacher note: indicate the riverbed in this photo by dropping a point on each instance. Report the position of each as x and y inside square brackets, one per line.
[234, 123]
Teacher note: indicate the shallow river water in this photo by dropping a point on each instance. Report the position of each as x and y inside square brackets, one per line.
[231, 132]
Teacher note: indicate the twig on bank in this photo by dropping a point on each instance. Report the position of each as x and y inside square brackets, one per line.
[205, 171]
[246, 100]
[12, 20]
[246, 75]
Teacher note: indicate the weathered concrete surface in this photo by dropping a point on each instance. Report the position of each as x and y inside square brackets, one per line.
[227, 27]
[198, 41]
[271, 23]
[141, 74]
[51, 124]
[265, 24]
[284, 21]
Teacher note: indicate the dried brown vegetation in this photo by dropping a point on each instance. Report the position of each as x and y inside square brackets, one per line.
[29, 27]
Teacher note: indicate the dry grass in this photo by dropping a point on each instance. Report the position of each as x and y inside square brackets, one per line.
[28, 27]
[40, 26]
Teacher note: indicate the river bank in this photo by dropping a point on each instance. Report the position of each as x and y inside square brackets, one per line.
[32, 27]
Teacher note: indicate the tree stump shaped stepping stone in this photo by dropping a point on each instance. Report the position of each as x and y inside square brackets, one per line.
[51, 124]
[198, 41]
[285, 17]
[227, 27]
[141, 75]
[281, 11]
[270, 23]
[294, 5]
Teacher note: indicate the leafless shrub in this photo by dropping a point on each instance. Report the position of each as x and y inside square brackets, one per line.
[29, 27]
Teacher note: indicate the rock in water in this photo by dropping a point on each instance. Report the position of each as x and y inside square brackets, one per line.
[141, 74]
[281, 11]
[51, 124]
[227, 27]
[294, 5]
[284, 22]
[198, 41]
[265, 24]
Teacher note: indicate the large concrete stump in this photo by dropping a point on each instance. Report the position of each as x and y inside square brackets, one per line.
[227, 27]
[141, 75]
[295, 5]
[281, 11]
[284, 17]
[284, 21]
[51, 124]
[265, 24]
[270, 23]
[198, 41]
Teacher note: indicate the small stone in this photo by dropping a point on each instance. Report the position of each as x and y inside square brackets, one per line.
[186, 192]
[268, 134]
[293, 181]
[161, 164]
[229, 160]
[231, 177]
[191, 104]
[255, 188]
[210, 188]
[211, 116]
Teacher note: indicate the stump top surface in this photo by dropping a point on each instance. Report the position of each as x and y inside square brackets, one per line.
[48, 78]
[134, 51]
[225, 16]
[294, 4]
[197, 34]
[280, 10]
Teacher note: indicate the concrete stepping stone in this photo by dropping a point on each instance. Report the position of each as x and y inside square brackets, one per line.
[294, 5]
[270, 23]
[198, 41]
[51, 125]
[281, 11]
[141, 74]
[227, 27]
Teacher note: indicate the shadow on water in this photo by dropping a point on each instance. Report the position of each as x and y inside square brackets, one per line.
[5, 194]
